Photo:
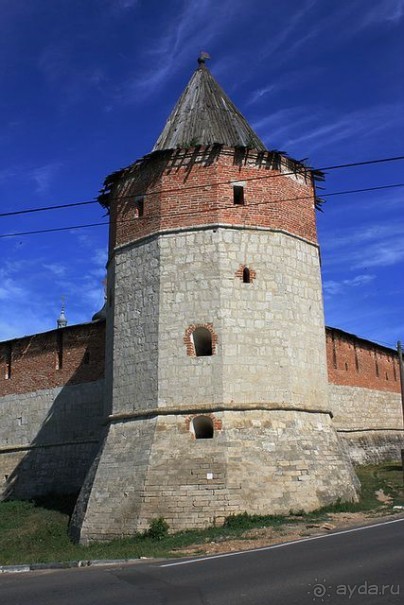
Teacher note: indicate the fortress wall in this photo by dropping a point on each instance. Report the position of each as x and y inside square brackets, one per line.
[364, 396]
[70, 355]
[370, 422]
[353, 361]
[51, 413]
[48, 439]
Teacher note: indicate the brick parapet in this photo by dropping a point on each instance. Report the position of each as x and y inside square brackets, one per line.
[71, 355]
[188, 188]
[355, 362]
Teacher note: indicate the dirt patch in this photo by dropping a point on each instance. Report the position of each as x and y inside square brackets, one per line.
[267, 536]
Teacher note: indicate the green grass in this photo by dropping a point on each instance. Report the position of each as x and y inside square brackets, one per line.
[37, 532]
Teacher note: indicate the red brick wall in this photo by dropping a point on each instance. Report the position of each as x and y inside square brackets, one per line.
[186, 188]
[355, 362]
[35, 360]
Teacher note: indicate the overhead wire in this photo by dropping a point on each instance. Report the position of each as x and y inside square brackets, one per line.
[74, 204]
[196, 211]
[216, 183]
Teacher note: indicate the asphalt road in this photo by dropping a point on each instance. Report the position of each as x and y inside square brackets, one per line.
[363, 566]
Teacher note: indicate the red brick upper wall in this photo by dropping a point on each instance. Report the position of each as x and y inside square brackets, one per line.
[355, 362]
[70, 355]
[187, 188]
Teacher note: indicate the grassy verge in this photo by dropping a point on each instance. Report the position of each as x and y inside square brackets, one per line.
[37, 532]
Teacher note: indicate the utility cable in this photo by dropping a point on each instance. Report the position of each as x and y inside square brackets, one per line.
[198, 211]
[202, 186]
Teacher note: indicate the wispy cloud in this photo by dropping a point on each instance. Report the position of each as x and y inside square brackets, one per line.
[286, 80]
[11, 291]
[381, 246]
[44, 175]
[259, 93]
[57, 269]
[368, 233]
[365, 123]
[380, 254]
[286, 33]
[336, 287]
[186, 33]
[123, 5]
[317, 127]
[387, 11]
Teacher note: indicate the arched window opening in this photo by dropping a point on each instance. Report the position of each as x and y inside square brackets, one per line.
[202, 339]
[203, 427]
[246, 276]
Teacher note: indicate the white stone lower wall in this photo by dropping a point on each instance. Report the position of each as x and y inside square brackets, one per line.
[369, 422]
[48, 439]
[262, 462]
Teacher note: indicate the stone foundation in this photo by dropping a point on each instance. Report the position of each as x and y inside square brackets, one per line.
[262, 462]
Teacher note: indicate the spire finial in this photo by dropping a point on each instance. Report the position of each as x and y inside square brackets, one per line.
[62, 320]
[202, 57]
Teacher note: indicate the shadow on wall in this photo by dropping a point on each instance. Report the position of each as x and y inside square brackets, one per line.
[56, 460]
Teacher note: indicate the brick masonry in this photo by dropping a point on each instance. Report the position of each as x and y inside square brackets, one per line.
[177, 267]
[364, 395]
[52, 410]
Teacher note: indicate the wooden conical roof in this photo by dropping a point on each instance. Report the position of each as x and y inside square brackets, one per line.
[204, 115]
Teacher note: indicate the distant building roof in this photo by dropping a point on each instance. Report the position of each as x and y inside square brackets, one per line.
[204, 115]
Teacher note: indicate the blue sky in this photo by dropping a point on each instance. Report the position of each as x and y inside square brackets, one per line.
[86, 87]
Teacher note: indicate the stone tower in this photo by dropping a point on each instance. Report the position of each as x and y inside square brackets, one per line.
[216, 365]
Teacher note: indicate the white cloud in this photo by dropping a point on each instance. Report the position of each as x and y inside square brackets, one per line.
[293, 22]
[258, 94]
[336, 287]
[56, 269]
[44, 175]
[380, 254]
[11, 291]
[187, 33]
[388, 11]
[315, 128]
[328, 129]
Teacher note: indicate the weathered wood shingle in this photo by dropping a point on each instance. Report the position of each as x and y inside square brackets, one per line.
[204, 115]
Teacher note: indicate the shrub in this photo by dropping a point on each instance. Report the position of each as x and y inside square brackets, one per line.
[158, 529]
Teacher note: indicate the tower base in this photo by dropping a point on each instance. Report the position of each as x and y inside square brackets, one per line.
[262, 461]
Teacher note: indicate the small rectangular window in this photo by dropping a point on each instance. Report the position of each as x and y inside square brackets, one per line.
[238, 195]
[139, 207]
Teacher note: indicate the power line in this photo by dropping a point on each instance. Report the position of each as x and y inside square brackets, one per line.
[71, 205]
[43, 208]
[192, 212]
[362, 190]
[53, 230]
[202, 186]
